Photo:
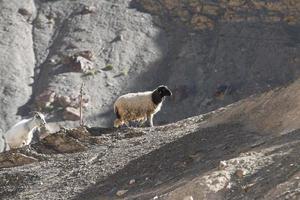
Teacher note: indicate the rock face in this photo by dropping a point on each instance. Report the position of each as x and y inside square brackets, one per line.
[17, 58]
[114, 47]
[205, 15]
[57, 30]
[241, 44]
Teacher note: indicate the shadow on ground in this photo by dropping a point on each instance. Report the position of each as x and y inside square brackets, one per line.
[268, 179]
[189, 156]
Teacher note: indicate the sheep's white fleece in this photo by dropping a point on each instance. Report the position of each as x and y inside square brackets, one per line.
[135, 107]
[21, 133]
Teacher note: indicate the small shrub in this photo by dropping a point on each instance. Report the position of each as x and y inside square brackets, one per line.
[91, 72]
[108, 67]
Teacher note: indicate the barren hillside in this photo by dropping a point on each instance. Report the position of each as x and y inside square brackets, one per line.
[230, 153]
[230, 130]
[195, 47]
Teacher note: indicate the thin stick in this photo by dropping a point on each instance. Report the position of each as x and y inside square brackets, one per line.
[80, 106]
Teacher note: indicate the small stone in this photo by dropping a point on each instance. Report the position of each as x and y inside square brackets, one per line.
[109, 84]
[71, 114]
[188, 198]
[222, 165]
[121, 193]
[132, 181]
[240, 173]
[53, 61]
[234, 162]
[88, 10]
[82, 64]
[117, 38]
[24, 12]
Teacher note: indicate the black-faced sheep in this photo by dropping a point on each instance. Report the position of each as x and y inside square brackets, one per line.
[21, 133]
[140, 106]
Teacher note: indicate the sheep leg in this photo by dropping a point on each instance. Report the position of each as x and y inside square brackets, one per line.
[150, 119]
[127, 124]
[143, 121]
[118, 123]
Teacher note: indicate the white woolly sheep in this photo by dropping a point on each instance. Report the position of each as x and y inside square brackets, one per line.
[139, 106]
[21, 133]
[3, 144]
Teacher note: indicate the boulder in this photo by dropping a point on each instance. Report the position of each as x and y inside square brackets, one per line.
[71, 114]
[81, 64]
[45, 99]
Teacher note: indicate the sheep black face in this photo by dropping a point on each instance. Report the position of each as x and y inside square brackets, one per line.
[164, 91]
[160, 93]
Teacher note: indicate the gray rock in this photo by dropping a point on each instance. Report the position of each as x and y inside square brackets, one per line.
[71, 113]
[15, 159]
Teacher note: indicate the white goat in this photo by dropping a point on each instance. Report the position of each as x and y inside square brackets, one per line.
[140, 106]
[21, 133]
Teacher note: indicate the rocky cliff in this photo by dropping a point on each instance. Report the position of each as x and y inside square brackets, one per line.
[197, 48]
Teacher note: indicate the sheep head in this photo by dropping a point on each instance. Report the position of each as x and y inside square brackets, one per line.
[160, 93]
[39, 119]
[164, 91]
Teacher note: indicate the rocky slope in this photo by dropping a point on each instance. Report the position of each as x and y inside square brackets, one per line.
[225, 154]
[210, 53]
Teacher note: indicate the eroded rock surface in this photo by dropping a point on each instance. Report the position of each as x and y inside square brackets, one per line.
[210, 54]
[114, 47]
